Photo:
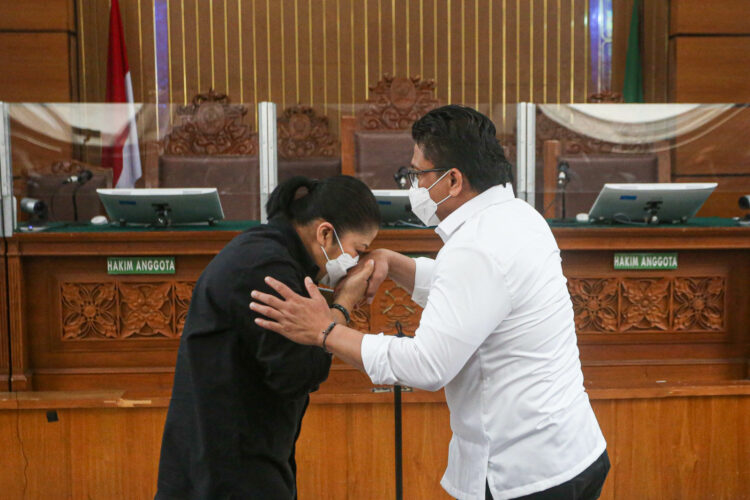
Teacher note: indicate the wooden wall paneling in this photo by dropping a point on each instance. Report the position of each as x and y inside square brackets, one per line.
[39, 15]
[19, 350]
[723, 202]
[321, 52]
[4, 327]
[36, 67]
[660, 447]
[676, 447]
[690, 17]
[426, 434]
[706, 69]
[718, 148]
[36, 454]
[346, 451]
[102, 438]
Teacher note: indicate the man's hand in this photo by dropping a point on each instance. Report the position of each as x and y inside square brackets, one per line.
[380, 258]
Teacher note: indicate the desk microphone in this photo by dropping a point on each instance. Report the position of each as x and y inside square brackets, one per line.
[82, 178]
[402, 177]
[562, 174]
[79, 180]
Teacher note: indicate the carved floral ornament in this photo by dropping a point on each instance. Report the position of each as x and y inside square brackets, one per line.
[610, 305]
[395, 103]
[303, 134]
[128, 310]
[210, 125]
[123, 310]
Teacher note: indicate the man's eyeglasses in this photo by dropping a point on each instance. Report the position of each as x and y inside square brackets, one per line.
[413, 174]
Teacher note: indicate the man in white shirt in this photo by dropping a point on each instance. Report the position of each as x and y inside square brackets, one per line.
[497, 329]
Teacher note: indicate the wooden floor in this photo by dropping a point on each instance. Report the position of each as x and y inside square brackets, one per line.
[685, 446]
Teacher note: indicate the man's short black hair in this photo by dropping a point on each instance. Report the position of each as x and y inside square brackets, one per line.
[460, 137]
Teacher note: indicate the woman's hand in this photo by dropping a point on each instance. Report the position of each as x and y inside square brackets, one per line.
[351, 290]
[300, 319]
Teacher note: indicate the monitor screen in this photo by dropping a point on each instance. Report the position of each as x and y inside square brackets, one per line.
[162, 206]
[661, 202]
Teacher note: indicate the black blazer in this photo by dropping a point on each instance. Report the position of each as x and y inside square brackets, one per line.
[239, 391]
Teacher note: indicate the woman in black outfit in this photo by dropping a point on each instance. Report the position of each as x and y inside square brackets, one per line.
[240, 391]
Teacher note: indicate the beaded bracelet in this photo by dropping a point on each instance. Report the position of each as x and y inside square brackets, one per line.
[343, 311]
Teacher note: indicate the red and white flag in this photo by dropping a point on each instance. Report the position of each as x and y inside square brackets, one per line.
[122, 154]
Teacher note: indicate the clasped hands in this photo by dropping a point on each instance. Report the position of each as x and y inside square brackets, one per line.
[302, 319]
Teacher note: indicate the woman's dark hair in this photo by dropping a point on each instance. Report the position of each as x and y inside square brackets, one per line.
[460, 137]
[344, 201]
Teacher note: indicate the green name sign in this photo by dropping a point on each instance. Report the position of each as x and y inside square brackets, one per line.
[140, 265]
[646, 261]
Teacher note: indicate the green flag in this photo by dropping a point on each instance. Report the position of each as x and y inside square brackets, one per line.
[633, 88]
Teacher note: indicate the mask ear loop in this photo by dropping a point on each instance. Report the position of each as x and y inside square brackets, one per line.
[439, 179]
[337, 239]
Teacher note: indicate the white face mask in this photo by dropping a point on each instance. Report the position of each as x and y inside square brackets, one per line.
[338, 267]
[423, 206]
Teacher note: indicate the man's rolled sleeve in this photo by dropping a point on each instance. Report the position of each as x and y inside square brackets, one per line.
[374, 352]
[422, 280]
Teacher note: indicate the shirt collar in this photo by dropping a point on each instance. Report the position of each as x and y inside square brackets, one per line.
[296, 248]
[492, 196]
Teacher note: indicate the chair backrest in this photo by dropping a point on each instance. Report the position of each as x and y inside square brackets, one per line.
[591, 162]
[210, 146]
[377, 141]
[306, 145]
[47, 184]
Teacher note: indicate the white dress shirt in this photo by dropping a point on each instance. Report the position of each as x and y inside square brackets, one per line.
[497, 332]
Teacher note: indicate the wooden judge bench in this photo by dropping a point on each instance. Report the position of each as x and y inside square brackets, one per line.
[87, 357]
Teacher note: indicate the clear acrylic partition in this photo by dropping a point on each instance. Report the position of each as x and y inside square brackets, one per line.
[371, 139]
[577, 148]
[61, 153]
[213, 142]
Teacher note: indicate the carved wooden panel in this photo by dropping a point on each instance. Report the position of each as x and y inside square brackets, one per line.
[303, 134]
[395, 103]
[123, 310]
[89, 311]
[183, 291]
[146, 310]
[595, 302]
[648, 304]
[645, 304]
[699, 303]
[210, 125]
[393, 303]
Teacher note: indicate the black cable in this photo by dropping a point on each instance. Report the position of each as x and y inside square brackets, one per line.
[397, 430]
[75, 202]
[625, 219]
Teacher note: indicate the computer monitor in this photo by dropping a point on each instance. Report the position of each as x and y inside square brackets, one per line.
[162, 207]
[650, 203]
[395, 208]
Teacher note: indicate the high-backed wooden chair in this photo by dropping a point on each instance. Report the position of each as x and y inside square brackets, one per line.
[210, 146]
[377, 141]
[306, 145]
[47, 184]
[591, 162]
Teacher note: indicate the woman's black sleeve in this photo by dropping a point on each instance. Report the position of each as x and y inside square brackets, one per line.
[290, 369]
